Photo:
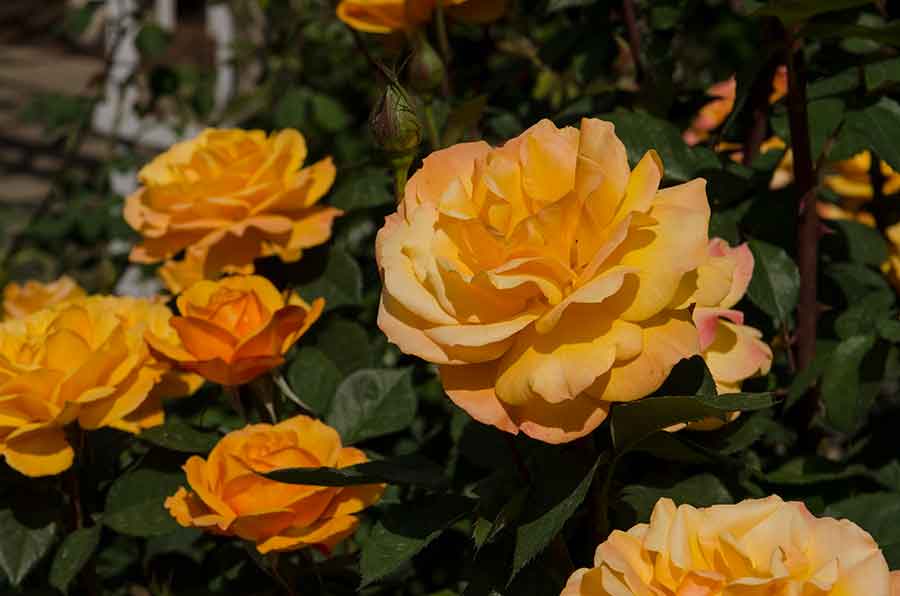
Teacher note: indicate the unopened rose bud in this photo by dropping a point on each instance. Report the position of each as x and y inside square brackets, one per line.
[426, 69]
[394, 123]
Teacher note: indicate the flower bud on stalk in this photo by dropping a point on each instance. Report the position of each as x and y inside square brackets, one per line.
[396, 130]
[426, 69]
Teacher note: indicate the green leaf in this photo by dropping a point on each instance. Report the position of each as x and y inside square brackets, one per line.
[314, 378]
[340, 284]
[345, 343]
[876, 513]
[641, 132]
[134, 504]
[74, 552]
[462, 118]
[152, 41]
[25, 538]
[841, 385]
[630, 423]
[876, 127]
[363, 190]
[404, 469]
[882, 73]
[889, 329]
[405, 530]
[291, 109]
[856, 280]
[775, 286]
[703, 490]
[808, 377]
[551, 503]
[803, 471]
[372, 402]
[888, 34]
[863, 316]
[825, 116]
[791, 12]
[329, 113]
[864, 244]
[842, 82]
[178, 435]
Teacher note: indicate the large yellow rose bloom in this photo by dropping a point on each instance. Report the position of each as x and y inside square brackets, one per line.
[227, 197]
[85, 361]
[387, 16]
[20, 300]
[754, 548]
[233, 330]
[546, 278]
[229, 496]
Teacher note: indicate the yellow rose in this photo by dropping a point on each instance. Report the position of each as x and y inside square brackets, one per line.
[83, 361]
[227, 197]
[233, 330]
[754, 548]
[229, 496]
[850, 179]
[386, 16]
[544, 277]
[32, 296]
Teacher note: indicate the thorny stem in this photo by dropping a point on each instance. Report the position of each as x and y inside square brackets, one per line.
[87, 577]
[759, 104]
[808, 219]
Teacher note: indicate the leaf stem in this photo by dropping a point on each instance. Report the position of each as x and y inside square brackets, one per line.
[434, 137]
[400, 164]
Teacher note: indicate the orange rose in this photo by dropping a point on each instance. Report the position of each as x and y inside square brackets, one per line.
[233, 330]
[227, 197]
[229, 496]
[851, 181]
[32, 296]
[546, 278]
[386, 16]
[754, 548]
[83, 361]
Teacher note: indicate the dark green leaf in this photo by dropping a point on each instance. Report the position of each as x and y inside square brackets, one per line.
[630, 423]
[291, 109]
[825, 116]
[373, 402]
[346, 344]
[134, 504]
[844, 81]
[641, 132]
[863, 316]
[888, 34]
[841, 385]
[556, 5]
[876, 513]
[178, 435]
[876, 127]
[808, 377]
[369, 188]
[405, 530]
[551, 503]
[801, 471]
[25, 538]
[856, 280]
[794, 11]
[76, 550]
[340, 284]
[703, 490]
[462, 118]
[403, 469]
[328, 113]
[314, 378]
[882, 73]
[775, 285]
[864, 244]
[889, 330]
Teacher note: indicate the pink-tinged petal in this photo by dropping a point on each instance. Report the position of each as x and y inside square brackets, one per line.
[707, 322]
[439, 170]
[737, 353]
[742, 259]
